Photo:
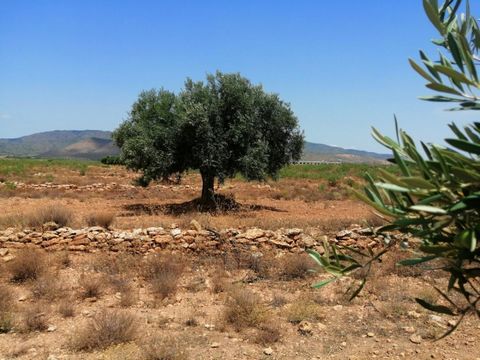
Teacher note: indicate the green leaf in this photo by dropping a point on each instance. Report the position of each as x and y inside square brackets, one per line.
[428, 209]
[422, 72]
[439, 98]
[455, 47]
[357, 291]
[392, 187]
[323, 283]
[453, 74]
[439, 250]
[415, 261]
[443, 88]
[466, 239]
[465, 145]
[435, 308]
[317, 258]
[418, 182]
[432, 14]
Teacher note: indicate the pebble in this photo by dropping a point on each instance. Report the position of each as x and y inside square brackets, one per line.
[215, 345]
[409, 329]
[268, 351]
[416, 339]
[370, 334]
[51, 328]
[305, 328]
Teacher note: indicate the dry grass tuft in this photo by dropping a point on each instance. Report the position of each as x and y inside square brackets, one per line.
[35, 319]
[92, 285]
[219, 281]
[278, 301]
[296, 266]
[191, 322]
[47, 287]
[158, 348]
[6, 304]
[58, 214]
[106, 329]
[18, 350]
[115, 264]
[163, 273]
[66, 308]
[63, 259]
[260, 264]
[196, 284]
[123, 286]
[104, 219]
[267, 334]
[244, 309]
[15, 221]
[303, 309]
[28, 264]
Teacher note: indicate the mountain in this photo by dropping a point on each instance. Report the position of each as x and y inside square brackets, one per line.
[83, 144]
[96, 144]
[322, 152]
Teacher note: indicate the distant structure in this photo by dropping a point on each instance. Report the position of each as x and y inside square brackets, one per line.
[314, 162]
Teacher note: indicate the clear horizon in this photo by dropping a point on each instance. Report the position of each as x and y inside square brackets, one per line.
[343, 67]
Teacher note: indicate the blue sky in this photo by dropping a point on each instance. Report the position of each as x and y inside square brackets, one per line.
[342, 65]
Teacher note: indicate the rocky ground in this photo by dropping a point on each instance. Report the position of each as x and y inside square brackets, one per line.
[160, 284]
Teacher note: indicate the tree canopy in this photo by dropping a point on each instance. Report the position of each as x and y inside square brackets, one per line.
[221, 127]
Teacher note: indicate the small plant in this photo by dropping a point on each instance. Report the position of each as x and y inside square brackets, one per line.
[124, 287]
[294, 266]
[28, 264]
[244, 309]
[82, 169]
[66, 308]
[58, 214]
[6, 304]
[267, 334]
[118, 264]
[34, 319]
[303, 309]
[111, 160]
[91, 285]
[259, 263]
[278, 301]
[47, 287]
[163, 273]
[333, 180]
[191, 322]
[219, 281]
[158, 348]
[10, 185]
[63, 259]
[104, 219]
[107, 328]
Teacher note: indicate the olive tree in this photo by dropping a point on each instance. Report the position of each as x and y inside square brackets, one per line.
[437, 196]
[221, 127]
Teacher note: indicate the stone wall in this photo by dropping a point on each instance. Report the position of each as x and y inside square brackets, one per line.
[194, 239]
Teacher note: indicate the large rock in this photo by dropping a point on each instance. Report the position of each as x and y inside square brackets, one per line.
[195, 225]
[50, 226]
[252, 234]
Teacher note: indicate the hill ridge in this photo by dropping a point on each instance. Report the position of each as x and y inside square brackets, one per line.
[95, 144]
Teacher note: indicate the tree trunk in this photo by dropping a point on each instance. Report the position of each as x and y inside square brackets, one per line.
[208, 182]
